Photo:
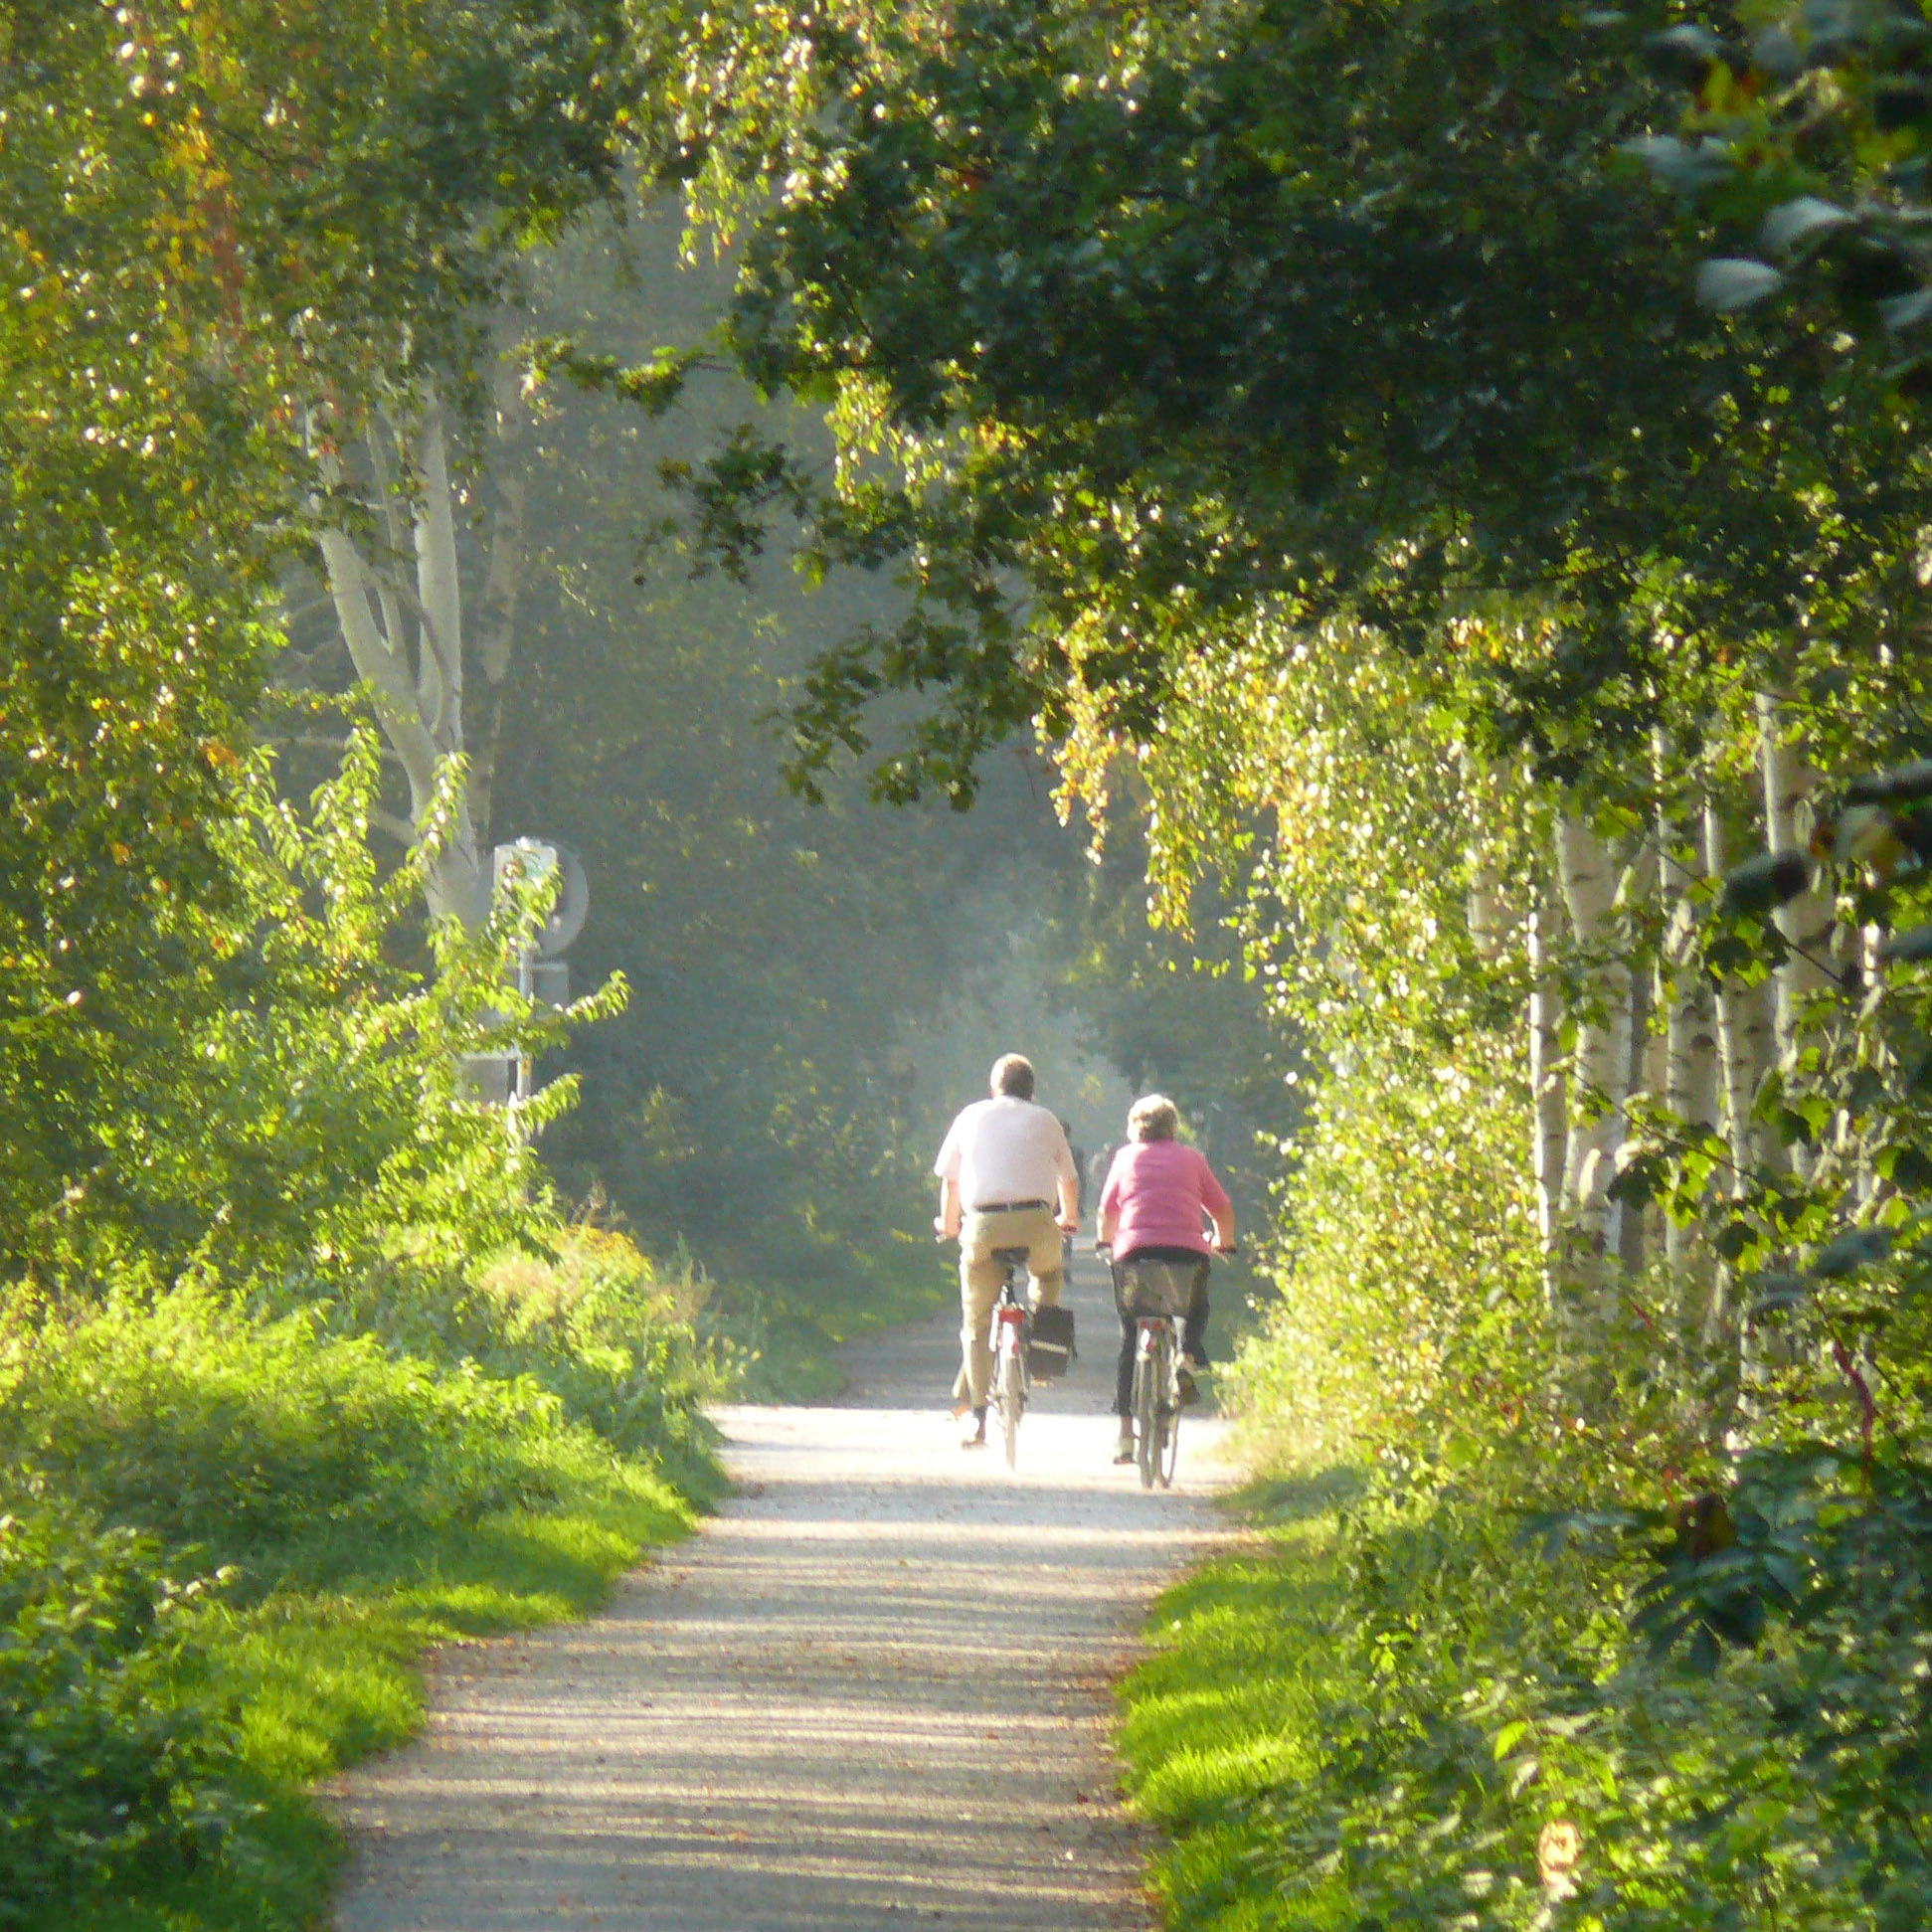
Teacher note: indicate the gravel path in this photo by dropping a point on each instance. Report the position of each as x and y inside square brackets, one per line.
[874, 1691]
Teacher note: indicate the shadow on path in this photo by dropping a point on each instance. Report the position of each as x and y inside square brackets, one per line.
[873, 1692]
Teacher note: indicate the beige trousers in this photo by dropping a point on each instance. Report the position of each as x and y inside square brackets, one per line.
[981, 1236]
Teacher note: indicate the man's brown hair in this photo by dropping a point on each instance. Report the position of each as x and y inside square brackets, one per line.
[1012, 1075]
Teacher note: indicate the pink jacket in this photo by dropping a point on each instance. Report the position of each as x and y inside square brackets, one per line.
[1162, 1190]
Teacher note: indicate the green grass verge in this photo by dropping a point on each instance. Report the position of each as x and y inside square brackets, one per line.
[322, 1676]
[227, 1540]
[1227, 1707]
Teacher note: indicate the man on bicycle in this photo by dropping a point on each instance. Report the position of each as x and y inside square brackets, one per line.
[1006, 1181]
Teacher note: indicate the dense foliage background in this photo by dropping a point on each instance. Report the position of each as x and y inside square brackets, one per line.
[351, 358]
[1430, 505]
[1457, 475]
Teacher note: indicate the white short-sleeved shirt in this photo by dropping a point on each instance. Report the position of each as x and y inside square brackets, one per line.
[1004, 1149]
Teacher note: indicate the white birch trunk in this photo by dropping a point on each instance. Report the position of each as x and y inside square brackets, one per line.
[1604, 1037]
[1744, 1055]
[1549, 1115]
[1690, 1059]
[402, 617]
[1871, 976]
[1689, 1031]
[1808, 920]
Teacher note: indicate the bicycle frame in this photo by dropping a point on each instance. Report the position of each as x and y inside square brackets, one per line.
[1162, 1290]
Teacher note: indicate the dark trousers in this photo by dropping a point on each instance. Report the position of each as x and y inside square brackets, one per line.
[1193, 1326]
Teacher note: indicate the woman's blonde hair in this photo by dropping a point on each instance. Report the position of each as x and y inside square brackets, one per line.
[1153, 1118]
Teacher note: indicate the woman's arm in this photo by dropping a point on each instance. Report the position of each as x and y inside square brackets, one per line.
[1220, 1210]
[1108, 1219]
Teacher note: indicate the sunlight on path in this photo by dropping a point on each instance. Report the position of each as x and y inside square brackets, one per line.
[873, 1692]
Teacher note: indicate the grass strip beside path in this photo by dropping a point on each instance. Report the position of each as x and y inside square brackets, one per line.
[227, 1541]
[321, 1676]
[1227, 1707]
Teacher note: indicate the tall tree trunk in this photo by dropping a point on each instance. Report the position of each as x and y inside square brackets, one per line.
[1807, 921]
[1640, 1230]
[1744, 1056]
[1690, 1073]
[1549, 1117]
[400, 610]
[1604, 1038]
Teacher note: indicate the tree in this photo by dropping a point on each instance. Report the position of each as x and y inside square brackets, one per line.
[1446, 358]
[218, 220]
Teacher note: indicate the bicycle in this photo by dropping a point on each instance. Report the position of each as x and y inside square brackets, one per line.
[1011, 1378]
[1156, 1293]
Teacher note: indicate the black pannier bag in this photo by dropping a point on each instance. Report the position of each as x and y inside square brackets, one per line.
[1049, 1343]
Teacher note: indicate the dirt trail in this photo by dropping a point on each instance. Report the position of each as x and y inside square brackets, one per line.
[873, 1692]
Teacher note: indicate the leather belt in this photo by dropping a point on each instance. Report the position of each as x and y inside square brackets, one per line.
[1005, 1207]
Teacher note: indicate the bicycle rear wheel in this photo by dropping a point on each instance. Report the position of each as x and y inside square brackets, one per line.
[1170, 1421]
[1009, 1390]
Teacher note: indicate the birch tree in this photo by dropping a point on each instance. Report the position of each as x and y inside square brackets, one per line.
[1805, 921]
[1548, 1093]
[1589, 876]
[1689, 1026]
[396, 580]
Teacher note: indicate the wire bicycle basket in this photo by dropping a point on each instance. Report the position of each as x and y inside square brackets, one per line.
[1145, 1284]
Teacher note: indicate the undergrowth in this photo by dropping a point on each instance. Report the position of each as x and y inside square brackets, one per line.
[1228, 1706]
[1429, 1706]
[232, 1531]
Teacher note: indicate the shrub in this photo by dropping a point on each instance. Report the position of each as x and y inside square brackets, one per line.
[486, 1457]
[105, 1757]
[1411, 1276]
[609, 1334]
[252, 1440]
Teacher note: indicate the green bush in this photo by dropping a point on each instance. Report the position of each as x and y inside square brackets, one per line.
[1411, 1274]
[256, 1442]
[104, 1760]
[1431, 1709]
[420, 1460]
[615, 1337]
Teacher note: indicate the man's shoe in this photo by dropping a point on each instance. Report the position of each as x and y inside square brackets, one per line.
[1124, 1450]
[977, 1441]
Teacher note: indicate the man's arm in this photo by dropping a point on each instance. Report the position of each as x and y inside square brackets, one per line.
[946, 1223]
[1069, 1205]
[951, 1162]
[1066, 1179]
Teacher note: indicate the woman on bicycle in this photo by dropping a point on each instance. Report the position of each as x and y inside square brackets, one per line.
[1156, 1201]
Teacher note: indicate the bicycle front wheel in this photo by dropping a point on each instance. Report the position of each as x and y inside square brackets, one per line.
[1009, 1394]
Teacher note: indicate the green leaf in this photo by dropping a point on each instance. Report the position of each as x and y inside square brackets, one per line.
[1767, 881]
[1728, 283]
[1855, 1248]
